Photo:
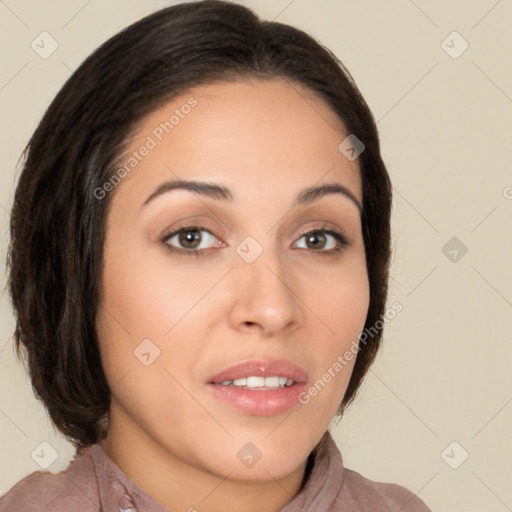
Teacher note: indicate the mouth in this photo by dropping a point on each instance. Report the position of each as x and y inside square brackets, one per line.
[259, 387]
[259, 383]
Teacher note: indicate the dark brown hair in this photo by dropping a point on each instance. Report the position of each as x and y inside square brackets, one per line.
[58, 224]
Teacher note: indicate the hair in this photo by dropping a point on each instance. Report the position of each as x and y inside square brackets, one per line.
[58, 225]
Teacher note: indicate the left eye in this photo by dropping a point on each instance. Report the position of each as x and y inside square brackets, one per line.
[321, 240]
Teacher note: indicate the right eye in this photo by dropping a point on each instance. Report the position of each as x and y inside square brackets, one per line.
[190, 240]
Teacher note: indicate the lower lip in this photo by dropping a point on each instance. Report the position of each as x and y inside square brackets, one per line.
[258, 402]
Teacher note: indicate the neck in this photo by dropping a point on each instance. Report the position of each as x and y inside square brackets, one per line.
[181, 486]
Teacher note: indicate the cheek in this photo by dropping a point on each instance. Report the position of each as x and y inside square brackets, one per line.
[339, 297]
[153, 311]
[150, 291]
[145, 327]
[340, 302]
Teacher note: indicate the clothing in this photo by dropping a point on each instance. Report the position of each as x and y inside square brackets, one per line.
[93, 483]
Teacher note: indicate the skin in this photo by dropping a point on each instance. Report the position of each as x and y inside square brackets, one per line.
[265, 141]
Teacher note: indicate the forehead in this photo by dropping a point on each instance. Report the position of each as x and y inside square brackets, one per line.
[258, 135]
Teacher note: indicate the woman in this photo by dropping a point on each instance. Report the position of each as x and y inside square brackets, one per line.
[200, 246]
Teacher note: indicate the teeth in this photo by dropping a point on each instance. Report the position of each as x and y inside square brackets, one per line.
[256, 382]
[273, 382]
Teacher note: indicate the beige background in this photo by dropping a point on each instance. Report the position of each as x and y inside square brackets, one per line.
[446, 125]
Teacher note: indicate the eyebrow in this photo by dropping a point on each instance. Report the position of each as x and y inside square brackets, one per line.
[214, 191]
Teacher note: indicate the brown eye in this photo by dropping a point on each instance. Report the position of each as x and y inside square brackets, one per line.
[190, 239]
[315, 240]
[323, 241]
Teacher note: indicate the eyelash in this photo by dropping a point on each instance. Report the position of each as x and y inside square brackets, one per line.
[340, 239]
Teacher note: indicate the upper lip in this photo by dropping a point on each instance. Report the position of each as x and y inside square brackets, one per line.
[262, 368]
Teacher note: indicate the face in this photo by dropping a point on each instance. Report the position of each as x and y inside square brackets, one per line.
[244, 275]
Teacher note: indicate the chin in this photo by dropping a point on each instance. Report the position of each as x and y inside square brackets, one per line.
[260, 456]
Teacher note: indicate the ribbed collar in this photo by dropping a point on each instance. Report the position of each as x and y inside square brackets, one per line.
[324, 482]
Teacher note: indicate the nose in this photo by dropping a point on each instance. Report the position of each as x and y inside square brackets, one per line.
[265, 297]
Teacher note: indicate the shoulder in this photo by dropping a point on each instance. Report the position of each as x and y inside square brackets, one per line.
[75, 488]
[380, 494]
